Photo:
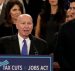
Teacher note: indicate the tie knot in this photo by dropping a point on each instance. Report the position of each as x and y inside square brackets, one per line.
[24, 41]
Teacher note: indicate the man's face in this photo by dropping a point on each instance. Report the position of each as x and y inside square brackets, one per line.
[69, 15]
[24, 25]
[72, 8]
[53, 2]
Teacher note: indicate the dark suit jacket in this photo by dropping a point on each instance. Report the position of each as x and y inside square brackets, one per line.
[65, 51]
[10, 46]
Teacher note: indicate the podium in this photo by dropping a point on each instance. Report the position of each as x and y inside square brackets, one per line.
[26, 63]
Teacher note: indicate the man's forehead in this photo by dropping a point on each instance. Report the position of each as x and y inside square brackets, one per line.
[72, 3]
[24, 16]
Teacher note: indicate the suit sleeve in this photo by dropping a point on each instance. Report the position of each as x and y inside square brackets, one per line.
[61, 44]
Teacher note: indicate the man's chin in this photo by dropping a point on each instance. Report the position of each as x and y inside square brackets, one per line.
[26, 35]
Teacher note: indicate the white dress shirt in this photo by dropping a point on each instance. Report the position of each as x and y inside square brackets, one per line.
[28, 41]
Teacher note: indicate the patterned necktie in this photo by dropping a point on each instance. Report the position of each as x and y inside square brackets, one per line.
[24, 48]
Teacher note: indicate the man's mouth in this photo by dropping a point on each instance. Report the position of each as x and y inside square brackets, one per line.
[25, 30]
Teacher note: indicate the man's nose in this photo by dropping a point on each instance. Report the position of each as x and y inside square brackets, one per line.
[25, 25]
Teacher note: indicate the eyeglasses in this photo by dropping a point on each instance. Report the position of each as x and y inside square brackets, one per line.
[72, 8]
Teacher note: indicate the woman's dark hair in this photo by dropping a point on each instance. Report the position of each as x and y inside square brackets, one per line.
[9, 5]
[60, 12]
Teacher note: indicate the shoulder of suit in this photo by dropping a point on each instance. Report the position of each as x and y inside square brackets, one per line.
[8, 37]
[39, 39]
[68, 24]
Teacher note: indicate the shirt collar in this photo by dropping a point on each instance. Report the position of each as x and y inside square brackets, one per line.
[21, 39]
[28, 41]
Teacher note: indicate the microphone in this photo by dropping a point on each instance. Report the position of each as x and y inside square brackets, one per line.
[36, 51]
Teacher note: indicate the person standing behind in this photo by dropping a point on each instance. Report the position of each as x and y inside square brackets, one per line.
[72, 7]
[69, 16]
[13, 9]
[49, 21]
[12, 45]
[65, 48]
[71, 11]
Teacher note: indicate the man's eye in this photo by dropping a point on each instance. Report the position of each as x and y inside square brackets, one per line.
[72, 7]
[23, 23]
[29, 23]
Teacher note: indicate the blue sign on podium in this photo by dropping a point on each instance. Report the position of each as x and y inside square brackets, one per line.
[26, 63]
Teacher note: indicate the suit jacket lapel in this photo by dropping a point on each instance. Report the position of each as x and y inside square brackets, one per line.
[16, 45]
[33, 50]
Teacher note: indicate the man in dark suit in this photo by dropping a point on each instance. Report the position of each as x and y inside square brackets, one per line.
[12, 45]
[65, 51]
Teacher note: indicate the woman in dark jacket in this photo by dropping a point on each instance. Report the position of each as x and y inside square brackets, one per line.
[13, 9]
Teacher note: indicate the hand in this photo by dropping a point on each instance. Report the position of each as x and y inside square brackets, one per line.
[56, 66]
